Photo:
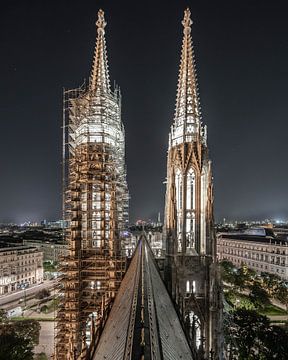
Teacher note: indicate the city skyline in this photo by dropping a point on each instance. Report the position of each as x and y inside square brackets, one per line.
[242, 102]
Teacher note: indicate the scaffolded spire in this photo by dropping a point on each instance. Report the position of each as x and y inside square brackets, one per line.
[187, 112]
[99, 80]
[96, 206]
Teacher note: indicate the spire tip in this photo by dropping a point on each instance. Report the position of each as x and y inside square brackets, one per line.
[100, 74]
[187, 22]
[101, 23]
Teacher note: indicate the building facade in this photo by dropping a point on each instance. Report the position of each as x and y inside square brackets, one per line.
[191, 272]
[260, 251]
[20, 267]
[52, 251]
[96, 204]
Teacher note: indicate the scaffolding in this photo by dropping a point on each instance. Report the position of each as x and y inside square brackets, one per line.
[95, 206]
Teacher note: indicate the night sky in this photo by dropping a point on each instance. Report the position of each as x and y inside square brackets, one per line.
[241, 50]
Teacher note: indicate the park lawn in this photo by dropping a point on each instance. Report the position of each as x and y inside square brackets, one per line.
[271, 309]
[49, 267]
[20, 318]
[239, 300]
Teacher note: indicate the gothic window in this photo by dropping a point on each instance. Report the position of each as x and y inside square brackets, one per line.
[190, 209]
[188, 287]
[189, 129]
[178, 187]
[195, 329]
[204, 199]
[190, 194]
[179, 242]
[96, 243]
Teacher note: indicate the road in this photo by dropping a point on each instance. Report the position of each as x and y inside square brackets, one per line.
[46, 338]
[7, 301]
[278, 317]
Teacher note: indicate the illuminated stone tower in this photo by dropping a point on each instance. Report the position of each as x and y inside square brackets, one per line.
[96, 204]
[191, 272]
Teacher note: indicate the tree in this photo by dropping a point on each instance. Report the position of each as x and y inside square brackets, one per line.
[43, 294]
[28, 329]
[228, 271]
[252, 338]
[275, 343]
[3, 316]
[282, 294]
[270, 282]
[251, 275]
[240, 280]
[18, 338]
[259, 296]
[13, 347]
[247, 327]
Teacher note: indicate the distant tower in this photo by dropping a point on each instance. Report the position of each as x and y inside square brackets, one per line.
[96, 205]
[191, 272]
[159, 219]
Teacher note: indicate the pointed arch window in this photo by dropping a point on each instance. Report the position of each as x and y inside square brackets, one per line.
[195, 329]
[190, 208]
[190, 230]
[178, 186]
[190, 193]
[179, 195]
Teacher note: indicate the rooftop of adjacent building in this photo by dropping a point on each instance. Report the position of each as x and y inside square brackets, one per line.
[258, 235]
[4, 247]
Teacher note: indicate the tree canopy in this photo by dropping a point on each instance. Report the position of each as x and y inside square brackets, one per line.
[18, 338]
[251, 337]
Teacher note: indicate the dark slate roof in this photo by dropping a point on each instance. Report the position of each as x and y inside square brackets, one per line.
[143, 309]
[254, 238]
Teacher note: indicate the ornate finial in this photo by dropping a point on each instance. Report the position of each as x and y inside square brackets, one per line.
[187, 22]
[101, 23]
[100, 75]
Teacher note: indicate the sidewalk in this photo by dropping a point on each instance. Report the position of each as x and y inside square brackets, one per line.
[278, 317]
[46, 338]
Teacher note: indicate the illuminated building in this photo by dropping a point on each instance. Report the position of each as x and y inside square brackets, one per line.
[96, 204]
[52, 251]
[191, 269]
[20, 267]
[258, 249]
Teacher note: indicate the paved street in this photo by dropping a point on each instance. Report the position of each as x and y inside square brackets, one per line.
[278, 317]
[46, 339]
[6, 300]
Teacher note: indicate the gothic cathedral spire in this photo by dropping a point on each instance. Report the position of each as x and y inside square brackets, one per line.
[99, 80]
[187, 124]
[96, 206]
[191, 271]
